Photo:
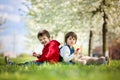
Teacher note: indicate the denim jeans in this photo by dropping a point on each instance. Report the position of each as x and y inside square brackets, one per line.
[26, 63]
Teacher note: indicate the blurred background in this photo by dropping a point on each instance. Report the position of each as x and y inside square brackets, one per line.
[20, 21]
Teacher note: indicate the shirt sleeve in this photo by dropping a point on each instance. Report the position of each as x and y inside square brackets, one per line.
[50, 54]
[65, 53]
[52, 51]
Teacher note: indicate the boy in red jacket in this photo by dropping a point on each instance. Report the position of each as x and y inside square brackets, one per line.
[50, 52]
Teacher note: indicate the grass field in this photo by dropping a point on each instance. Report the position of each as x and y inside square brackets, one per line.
[58, 71]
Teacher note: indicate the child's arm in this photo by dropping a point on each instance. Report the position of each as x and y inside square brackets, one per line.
[65, 53]
[77, 51]
[36, 55]
[52, 52]
[77, 54]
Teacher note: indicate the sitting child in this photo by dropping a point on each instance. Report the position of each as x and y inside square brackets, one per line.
[50, 52]
[70, 55]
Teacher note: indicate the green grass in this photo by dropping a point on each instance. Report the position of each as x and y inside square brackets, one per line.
[58, 71]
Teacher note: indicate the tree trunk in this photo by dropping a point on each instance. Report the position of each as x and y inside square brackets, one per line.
[90, 43]
[104, 31]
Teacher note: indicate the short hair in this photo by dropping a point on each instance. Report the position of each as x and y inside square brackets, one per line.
[72, 34]
[42, 33]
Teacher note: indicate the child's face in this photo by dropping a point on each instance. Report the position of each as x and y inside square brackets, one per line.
[71, 41]
[44, 39]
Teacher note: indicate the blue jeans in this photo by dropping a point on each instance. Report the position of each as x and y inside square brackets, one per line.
[31, 62]
[26, 63]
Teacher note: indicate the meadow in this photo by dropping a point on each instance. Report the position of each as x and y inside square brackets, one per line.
[58, 71]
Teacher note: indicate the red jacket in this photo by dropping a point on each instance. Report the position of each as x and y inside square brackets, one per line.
[50, 52]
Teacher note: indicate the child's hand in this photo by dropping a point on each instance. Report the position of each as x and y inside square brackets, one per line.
[77, 51]
[34, 54]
